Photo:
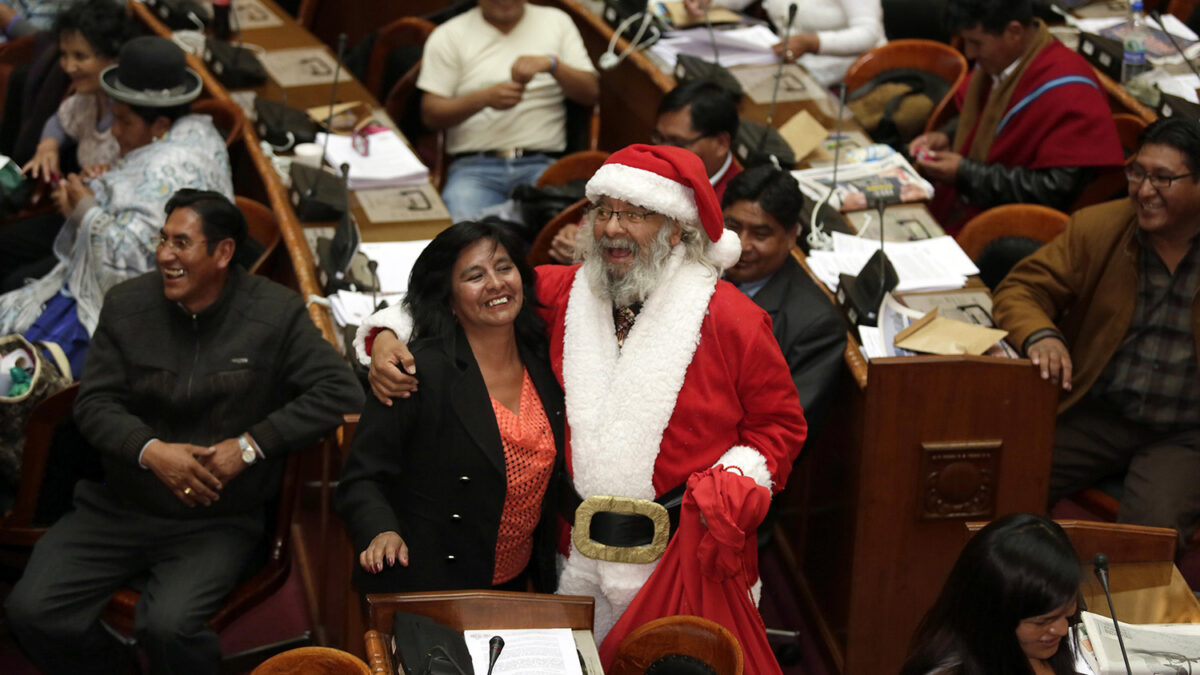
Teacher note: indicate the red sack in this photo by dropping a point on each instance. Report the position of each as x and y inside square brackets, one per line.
[709, 567]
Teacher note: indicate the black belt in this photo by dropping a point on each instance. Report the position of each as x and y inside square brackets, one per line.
[510, 153]
[628, 529]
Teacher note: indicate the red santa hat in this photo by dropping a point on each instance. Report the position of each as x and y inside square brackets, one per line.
[671, 181]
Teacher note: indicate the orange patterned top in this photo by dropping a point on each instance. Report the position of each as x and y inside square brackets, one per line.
[528, 461]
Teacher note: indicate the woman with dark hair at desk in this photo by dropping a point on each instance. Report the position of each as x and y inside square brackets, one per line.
[449, 489]
[1007, 605]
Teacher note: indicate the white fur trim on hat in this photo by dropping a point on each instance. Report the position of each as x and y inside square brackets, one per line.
[727, 250]
[646, 189]
[751, 462]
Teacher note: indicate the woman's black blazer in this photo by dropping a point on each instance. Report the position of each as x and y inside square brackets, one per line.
[431, 467]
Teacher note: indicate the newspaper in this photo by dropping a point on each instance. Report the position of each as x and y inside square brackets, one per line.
[852, 180]
[1152, 648]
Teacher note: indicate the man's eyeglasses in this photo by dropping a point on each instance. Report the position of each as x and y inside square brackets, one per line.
[658, 139]
[1137, 174]
[178, 245]
[603, 214]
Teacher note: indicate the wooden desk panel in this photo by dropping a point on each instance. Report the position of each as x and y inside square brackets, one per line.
[1145, 592]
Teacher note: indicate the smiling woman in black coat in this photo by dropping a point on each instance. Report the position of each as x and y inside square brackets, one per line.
[452, 488]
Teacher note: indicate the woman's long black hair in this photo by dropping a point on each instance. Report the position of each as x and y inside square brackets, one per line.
[1019, 566]
[431, 281]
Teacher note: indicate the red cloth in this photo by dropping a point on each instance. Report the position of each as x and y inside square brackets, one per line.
[1069, 125]
[719, 186]
[707, 570]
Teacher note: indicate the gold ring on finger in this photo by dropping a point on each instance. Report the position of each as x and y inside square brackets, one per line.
[187, 491]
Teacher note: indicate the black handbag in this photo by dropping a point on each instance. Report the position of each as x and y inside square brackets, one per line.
[426, 647]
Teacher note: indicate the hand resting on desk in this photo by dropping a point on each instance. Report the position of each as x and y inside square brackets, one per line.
[386, 547]
[1050, 354]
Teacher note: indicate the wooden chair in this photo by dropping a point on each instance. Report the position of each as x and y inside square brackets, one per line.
[575, 166]
[227, 116]
[313, 661]
[119, 615]
[18, 529]
[1182, 9]
[405, 31]
[1129, 127]
[430, 147]
[12, 54]
[539, 252]
[693, 636]
[263, 228]
[938, 58]
[1110, 183]
[1032, 221]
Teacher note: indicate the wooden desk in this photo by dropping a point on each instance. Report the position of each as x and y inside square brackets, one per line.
[872, 518]
[290, 35]
[479, 610]
[631, 93]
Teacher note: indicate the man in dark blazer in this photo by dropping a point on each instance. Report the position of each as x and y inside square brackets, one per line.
[762, 205]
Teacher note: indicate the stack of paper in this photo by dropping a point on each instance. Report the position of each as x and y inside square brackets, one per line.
[350, 308]
[396, 259]
[389, 161]
[749, 45]
[926, 265]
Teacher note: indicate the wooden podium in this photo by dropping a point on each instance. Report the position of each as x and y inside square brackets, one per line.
[872, 518]
[471, 610]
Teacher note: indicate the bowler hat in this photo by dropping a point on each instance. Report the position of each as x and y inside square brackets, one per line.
[151, 72]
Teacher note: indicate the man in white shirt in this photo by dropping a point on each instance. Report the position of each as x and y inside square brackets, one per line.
[494, 78]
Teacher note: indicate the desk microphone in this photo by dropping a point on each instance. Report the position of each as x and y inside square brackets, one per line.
[373, 265]
[1100, 567]
[495, 646]
[787, 32]
[1157, 16]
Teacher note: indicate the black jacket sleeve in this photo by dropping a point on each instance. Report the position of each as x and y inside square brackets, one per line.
[988, 185]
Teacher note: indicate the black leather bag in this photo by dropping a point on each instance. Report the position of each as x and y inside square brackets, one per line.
[426, 647]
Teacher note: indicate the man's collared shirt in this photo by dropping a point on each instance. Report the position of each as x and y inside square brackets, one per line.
[751, 288]
[716, 177]
[1153, 378]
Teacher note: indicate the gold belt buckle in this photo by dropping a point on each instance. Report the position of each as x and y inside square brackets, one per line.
[647, 553]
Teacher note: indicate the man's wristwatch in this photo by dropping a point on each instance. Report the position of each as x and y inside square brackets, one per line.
[249, 456]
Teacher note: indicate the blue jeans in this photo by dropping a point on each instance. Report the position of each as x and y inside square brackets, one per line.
[477, 182]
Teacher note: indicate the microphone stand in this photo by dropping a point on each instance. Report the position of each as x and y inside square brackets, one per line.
[1100, 567]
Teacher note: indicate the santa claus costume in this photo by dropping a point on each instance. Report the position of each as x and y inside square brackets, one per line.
[699, 381]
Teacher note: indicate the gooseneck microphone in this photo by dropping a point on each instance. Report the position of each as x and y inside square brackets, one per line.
[1100, 567]
[495, 646]
[787, 33]
[1157, 16]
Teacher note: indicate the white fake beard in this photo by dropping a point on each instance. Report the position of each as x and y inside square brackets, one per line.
[643, 275]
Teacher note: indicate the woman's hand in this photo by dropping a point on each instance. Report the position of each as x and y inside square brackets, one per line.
[95, 171]
[44, 165]
[797, 46]
[695, 8]
[385, 547]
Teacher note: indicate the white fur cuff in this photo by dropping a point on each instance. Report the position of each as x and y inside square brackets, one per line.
[751, 462]
[394, 318]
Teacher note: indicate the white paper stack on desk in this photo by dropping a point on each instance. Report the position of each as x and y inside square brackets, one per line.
[926, 265]
[389, 162]
[749, 45]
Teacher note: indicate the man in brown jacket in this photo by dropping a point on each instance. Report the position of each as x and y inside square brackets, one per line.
[1110, 311]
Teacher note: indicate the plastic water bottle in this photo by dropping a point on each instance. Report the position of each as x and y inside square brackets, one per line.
[1133, 58]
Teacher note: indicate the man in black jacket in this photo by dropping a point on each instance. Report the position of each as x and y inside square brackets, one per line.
[762, 205]
[199, 380]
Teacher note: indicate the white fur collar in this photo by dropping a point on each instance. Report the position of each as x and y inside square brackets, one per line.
[620, 400]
